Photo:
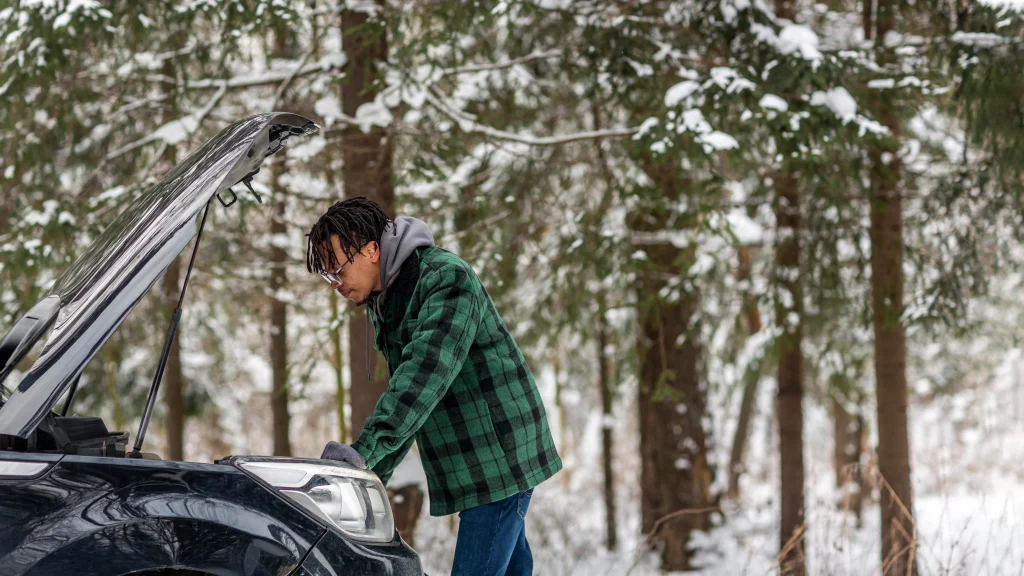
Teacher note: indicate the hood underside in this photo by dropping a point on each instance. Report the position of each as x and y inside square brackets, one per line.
[102, 287]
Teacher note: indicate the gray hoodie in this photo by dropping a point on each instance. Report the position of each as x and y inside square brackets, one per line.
[399, 240]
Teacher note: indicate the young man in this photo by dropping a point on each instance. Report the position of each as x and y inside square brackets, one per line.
[458, 383]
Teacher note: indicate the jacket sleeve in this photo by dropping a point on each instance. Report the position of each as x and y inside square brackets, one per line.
[387, 465]
[439, 345]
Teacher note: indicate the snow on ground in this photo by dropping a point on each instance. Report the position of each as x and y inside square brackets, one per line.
[969, 499]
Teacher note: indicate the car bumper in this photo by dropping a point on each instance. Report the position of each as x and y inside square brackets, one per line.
[337, 556]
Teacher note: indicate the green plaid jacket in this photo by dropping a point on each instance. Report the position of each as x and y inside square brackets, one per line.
[458, 385]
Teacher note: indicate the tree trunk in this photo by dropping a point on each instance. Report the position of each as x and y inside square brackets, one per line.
[173, 383]
[278, 282]
[279, 317]
[849, 433]
[788, 316]
[899, 542]
[367, 172]
[841, 435]
[332, 168]
[675, 476]
[751, 378]
[605, 383]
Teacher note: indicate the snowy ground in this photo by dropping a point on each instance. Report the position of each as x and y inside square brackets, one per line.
[969, 500]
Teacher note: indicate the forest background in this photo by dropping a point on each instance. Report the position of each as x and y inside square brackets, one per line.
[764, 257]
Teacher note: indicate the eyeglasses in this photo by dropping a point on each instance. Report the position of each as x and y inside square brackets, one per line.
[333, 277]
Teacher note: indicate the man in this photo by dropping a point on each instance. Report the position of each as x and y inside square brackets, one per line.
[458, 384]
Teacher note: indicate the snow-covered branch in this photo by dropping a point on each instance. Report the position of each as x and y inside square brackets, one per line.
[468, 124]
[502, 65]
[326, 64]
[172, 135]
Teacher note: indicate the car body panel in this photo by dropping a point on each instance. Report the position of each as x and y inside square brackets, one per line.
[103, 285]
[334, 555]
[92, 516]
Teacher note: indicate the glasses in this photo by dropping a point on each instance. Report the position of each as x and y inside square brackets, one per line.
[333, 277]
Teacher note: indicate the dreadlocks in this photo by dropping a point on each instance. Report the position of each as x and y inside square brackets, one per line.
[354, 221]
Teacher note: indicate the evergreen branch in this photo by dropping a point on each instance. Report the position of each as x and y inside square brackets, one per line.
[468, 124]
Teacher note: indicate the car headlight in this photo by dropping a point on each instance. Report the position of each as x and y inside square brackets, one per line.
[351, 499]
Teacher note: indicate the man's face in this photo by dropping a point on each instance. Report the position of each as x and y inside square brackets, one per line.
[359, 274]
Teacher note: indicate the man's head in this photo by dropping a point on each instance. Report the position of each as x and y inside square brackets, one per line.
[344, 247]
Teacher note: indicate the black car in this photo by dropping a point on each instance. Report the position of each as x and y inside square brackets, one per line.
[76, 500]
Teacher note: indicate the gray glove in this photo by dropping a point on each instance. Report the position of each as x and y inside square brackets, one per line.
[343, 453]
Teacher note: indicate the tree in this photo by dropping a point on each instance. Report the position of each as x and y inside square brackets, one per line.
[750, 319]
[898, 531]
[367, 158]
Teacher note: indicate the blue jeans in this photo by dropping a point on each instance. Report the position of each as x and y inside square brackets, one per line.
[492, 539]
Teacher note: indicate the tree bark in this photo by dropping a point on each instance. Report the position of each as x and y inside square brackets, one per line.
[788, 317]
[173, 383]
[367, 172]
[899, 542]
[278, 282]
[752, 376]
[675, 474]
[849, 434]
[279, 317]
[605, 383]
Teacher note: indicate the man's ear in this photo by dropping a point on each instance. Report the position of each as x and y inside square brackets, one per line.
[374, 254]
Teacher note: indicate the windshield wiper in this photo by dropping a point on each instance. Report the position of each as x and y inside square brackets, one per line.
[171, 331]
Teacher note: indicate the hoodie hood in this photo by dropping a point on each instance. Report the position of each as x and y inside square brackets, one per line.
[399, 240]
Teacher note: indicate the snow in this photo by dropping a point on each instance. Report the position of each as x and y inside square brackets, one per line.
[645, 127]
[35, 218]
[328, 108]
[773, 102]
[839, 101]
[745, 229]
[718, 141]
[795, 38]
[371, 114]
[680, 92]
[73, 6]
[881, 83]
[176, 131]
[978, 39]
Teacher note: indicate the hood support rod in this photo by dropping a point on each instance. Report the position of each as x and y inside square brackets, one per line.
[171, 331]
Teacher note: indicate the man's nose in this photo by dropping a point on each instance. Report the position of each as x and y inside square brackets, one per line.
[335, 285]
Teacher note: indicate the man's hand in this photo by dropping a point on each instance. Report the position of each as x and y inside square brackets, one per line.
[343, 453]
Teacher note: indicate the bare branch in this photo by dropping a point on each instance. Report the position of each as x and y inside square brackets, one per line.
[468, 124]
[284, 85]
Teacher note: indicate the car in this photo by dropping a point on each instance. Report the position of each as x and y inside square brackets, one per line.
[75, 499]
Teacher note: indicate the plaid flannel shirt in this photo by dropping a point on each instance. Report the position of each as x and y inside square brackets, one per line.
[458, 385]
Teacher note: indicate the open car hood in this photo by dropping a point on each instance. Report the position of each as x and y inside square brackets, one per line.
[91, 299]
